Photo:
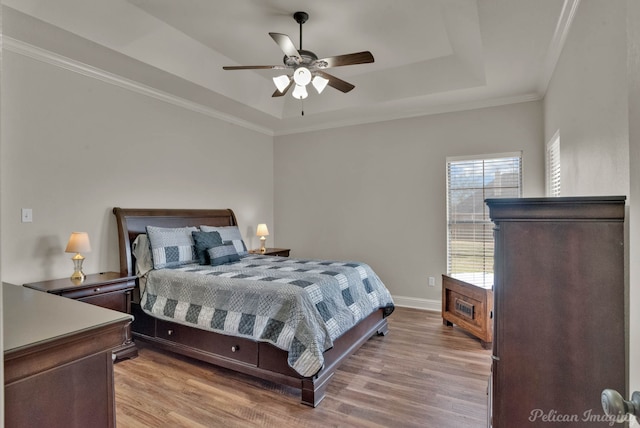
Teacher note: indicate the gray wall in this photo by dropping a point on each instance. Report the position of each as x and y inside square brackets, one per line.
[377, 192]
[75, 146]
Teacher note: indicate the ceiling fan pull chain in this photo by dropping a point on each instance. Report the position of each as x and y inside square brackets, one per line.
[302, 108]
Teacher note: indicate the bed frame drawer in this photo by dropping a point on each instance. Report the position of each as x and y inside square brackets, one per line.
[235, 348]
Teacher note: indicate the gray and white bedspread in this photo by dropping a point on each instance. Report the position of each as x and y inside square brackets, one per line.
[300, 306]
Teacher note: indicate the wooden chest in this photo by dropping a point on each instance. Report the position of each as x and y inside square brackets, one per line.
[468, 306]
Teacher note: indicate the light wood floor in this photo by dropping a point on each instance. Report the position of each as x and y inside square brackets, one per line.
[422, 374]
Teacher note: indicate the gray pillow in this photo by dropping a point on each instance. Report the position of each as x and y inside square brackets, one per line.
[171, 246]
[223, 254]
[203, 241]
[229, 233]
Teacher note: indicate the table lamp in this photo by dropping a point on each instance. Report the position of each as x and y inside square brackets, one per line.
[262, 232]
[78, 243]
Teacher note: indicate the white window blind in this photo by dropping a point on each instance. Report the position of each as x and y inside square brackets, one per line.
[470, 181]
[553, 166]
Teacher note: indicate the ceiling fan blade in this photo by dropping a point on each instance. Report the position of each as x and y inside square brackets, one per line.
[285, 44]
[277, 93]
[347, 59]
[339, 84]
[254, 67]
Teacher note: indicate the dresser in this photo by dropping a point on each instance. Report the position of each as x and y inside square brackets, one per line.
[58, 364]
[559, 323]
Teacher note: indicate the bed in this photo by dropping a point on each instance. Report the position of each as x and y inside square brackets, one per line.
[261, 356]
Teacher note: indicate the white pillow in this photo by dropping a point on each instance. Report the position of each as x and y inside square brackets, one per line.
[142, 252]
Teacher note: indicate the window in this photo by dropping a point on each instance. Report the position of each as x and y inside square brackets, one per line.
[471, 180]
[552, 165]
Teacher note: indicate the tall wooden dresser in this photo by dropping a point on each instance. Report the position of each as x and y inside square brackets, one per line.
[559, 311]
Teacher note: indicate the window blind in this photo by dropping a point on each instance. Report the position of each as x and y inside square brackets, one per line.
[470, 231]
[553, 166]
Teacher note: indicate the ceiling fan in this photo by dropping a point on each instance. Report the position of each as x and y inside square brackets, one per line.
[306, 66]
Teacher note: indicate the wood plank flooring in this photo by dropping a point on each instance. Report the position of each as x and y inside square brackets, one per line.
[422, 374]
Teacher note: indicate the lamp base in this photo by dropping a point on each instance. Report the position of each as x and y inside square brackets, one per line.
[263, 249]
[78, 275]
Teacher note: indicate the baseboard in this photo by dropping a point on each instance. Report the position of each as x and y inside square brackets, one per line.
[416, 303]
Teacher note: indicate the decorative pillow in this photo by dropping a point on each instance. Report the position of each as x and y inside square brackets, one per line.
[222, 254]
[171, 246]
[229, 233]
[204, 241]
[142, 252]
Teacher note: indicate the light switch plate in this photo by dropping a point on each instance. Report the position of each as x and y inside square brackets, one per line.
[27, 215]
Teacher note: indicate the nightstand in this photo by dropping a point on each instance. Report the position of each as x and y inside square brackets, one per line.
[280, 252]
[109, 290]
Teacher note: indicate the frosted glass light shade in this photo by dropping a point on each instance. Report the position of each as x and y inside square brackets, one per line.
[300, 92]
[302, 76]
[282, 82]
[319, 83]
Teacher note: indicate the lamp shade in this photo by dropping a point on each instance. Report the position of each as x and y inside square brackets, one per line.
[78, 243]
[319, 83]
[282, 82]
[300, 92]
[262, 230]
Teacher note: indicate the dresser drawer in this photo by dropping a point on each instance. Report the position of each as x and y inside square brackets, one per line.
[116, 301]
[235, 348]
[86, 292]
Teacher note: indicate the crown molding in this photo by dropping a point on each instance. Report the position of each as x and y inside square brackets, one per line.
[52, 58]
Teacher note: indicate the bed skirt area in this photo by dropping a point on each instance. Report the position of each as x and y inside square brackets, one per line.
[259, 359]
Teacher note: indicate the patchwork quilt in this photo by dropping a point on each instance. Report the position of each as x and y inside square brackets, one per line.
[300, 306]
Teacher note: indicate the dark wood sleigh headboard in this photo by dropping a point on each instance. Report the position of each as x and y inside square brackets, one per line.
[134, 221]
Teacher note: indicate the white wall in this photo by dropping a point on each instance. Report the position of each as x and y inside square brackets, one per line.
[376, 192]
[593, 99]
[73, 147]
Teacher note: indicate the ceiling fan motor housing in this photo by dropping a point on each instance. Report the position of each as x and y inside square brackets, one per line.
[301, 17]
[306, 59]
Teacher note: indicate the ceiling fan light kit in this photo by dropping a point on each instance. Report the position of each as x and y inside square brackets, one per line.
[306, 66]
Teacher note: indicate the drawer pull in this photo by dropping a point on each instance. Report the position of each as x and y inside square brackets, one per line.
[235, 348]
[96, 289]
[170, 332]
